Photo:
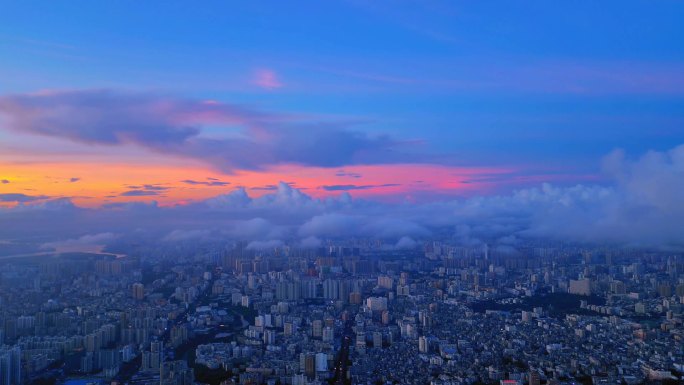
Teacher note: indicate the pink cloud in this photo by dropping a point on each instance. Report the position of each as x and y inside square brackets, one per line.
[268, 79]
[174, 126]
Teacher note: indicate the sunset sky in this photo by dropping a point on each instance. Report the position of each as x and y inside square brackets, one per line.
[178, 102]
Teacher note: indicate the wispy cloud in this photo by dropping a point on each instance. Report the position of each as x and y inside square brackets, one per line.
[348, 174]
[349, 187]
[138, 193]
[273, 187]
[209, 182]
[174, 126]
[266, 78]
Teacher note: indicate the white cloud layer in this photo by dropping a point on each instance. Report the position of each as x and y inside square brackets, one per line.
[642, 205]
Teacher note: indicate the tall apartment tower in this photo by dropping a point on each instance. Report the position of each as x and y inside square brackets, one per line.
[10, 365]
[534, 378]
[138, 291]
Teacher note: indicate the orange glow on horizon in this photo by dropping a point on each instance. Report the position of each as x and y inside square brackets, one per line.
[105, 183]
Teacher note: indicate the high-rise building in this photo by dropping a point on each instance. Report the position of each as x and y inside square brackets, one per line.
[665, 290]
[92, 342]
[385, 317]
[288, 328]
[146, 361]
[377, 340]
[360, 340]
[423, 345]
[679, 290]
[269, 337]
[87, 363]
[344, 289]
[138, 291]
[156, 355]
[10, 365]
[526, 316]
[317, 328]
[385, 282]
[321, 362]
[176, 373]
[534, 378]
[581, 287]
[403, 279]
[376, 303]
[328, 334]
[310, 365]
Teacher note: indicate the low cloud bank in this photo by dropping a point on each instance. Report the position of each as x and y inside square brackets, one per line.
[642, 206]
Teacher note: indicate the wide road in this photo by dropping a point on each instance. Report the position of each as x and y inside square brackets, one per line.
[342, 361]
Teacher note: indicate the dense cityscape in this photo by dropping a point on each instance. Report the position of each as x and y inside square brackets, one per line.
[345, 312]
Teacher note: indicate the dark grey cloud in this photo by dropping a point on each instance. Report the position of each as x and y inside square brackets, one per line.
[74, 180]
[4, 181]
[17, 197]
[155, 187]
[149, 187]
[208, 182]
[173, 126]
[343, 173]
[273, 187]
[139, 193]
[268, 187]
[349, 187]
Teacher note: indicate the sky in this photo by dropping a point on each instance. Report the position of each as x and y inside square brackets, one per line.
[395, 104]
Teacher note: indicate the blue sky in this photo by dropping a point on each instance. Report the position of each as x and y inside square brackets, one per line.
[276, 121]
[547, 88]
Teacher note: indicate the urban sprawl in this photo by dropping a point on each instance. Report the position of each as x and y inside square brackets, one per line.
[352, 312]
